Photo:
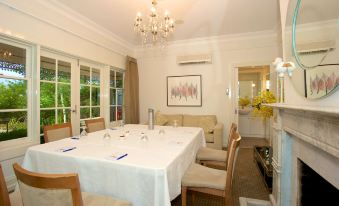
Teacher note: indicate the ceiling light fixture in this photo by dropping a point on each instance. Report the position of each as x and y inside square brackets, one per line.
[158, 27]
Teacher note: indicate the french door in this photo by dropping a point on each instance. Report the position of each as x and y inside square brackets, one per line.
[59, 99]
[70, 90]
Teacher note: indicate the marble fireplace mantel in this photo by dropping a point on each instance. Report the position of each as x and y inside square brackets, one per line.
[309, 133]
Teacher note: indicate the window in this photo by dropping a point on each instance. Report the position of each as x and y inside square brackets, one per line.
[89, 92]
[116, 95]
[14, 98]
[55, 91]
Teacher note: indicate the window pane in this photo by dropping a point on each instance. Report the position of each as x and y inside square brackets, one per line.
[95, 96]
[47, 117]
[96, 77]
[112, 114]
[47, 95]
[112, 78]
[64, 115]
[84, 113]
[13, 125]
[47, 69]
[64, 95]
[112, 97]
[120, 97]
[85, 75]
[13, 94]
[119, 79]
[95, 112]
[85, 96]
[119, 113]
[64, 71]
[12, 60]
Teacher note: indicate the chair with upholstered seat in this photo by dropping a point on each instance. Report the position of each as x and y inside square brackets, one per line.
[215, 158]
[57, 132]
[6, 199]
[211, 181]
[93, 125]
[57, 189]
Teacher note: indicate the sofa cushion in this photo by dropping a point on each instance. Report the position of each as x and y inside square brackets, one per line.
[160, 119]
[172, 117]
[206, 122]
[167, 119]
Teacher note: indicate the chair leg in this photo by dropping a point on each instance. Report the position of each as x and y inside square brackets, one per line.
[183, 196]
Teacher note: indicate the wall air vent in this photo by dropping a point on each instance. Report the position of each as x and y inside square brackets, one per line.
[194, 59]
[315, 47]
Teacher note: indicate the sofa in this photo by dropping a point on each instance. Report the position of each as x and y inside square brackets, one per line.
[212, 129]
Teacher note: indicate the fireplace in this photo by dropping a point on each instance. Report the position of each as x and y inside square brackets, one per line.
[305, 160]
[313, 188]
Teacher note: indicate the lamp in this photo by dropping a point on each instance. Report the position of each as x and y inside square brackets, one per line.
[159, 27]
[281, 67]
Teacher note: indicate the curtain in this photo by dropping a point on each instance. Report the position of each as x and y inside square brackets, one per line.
[131, 92]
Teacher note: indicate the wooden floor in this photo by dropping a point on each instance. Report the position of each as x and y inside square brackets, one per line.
[248, 181]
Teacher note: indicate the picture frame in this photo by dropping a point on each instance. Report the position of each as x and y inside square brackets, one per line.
[184, 91]
[321, 82]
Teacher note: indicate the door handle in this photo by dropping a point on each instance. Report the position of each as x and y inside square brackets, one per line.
[75, 109]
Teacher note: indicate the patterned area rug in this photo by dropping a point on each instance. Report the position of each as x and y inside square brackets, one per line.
[248, 181]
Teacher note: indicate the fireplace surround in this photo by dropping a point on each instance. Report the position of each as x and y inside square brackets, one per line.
[308, 134]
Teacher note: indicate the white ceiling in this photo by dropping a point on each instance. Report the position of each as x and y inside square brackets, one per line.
[202, 18]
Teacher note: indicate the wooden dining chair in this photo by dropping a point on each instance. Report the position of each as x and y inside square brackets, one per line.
[216, 158]
[57, 189]
[93, 125]
[4, 196]
[57, 132]
[8, 199]
[211, 181]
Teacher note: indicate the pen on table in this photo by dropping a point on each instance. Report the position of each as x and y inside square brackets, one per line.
[66, 150]
[122, 156]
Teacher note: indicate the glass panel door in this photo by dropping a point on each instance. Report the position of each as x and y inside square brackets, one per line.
[58, 94]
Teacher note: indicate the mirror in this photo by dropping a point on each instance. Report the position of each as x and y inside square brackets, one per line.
[312, 42]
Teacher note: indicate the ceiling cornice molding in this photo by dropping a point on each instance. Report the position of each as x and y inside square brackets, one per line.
[313, 26]
[215, 39]
[84, 21]
[126, 47]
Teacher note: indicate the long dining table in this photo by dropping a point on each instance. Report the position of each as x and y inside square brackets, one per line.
[135, 164]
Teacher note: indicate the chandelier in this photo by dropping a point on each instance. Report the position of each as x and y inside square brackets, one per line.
[158, 28]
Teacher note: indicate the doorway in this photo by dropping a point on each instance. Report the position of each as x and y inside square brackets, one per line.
[252, 81]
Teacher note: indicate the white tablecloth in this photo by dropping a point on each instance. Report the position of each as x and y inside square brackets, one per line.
[149, 175]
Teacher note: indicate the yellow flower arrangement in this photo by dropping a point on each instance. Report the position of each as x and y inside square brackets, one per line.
[265, 97]
[243, 102]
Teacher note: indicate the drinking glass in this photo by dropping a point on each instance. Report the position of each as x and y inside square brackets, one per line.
[107, 136]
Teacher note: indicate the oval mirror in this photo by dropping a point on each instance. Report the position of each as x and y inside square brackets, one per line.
[312, 42]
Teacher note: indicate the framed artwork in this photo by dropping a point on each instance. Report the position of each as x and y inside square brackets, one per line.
[184, 91]
[321, 82]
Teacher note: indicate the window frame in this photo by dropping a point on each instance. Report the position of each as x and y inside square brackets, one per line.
[31, 51]
[114, 87]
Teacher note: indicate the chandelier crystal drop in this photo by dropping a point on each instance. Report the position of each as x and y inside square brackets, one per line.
[158, 28]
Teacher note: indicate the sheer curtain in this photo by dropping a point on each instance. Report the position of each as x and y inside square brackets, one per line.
[131, 91]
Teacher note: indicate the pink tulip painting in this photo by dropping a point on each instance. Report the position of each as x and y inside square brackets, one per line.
[184, 90]
[323, 83]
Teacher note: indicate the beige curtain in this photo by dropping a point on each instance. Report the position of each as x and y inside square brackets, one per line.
[131, 91]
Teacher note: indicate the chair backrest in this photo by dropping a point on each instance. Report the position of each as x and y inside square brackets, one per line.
[93, 125]
[233, 153]
[231, 135]
[4, 197]
[57, 132]
[48, 189]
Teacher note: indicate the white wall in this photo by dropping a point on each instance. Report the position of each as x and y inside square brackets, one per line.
[48, 24]
[228, 52]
